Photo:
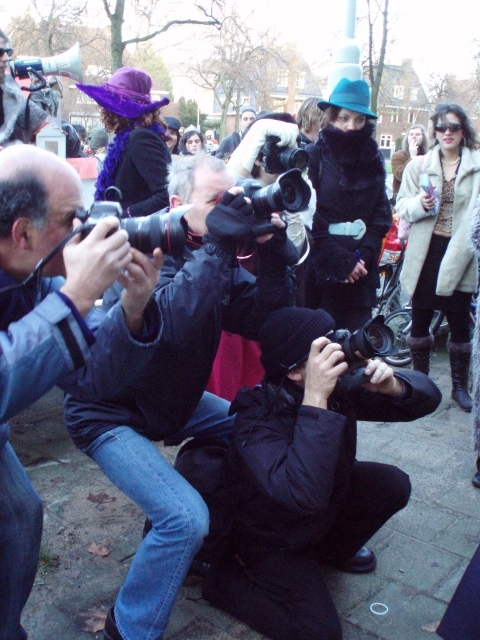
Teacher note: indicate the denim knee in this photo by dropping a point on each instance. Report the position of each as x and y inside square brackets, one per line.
[187, 518]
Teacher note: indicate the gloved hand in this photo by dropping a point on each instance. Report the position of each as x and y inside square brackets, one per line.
[246, 153]
[230, 221]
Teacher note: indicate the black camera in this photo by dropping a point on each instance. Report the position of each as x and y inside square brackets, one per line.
[289, 192]
[373, 339]
[279, 159]
[165, 230]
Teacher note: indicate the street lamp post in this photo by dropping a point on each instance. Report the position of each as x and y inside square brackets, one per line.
[346, 57]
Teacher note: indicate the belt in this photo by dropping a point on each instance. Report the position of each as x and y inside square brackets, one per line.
[356, 229]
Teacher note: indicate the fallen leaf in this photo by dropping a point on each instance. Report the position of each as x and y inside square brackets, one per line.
[431, 627]
[99, 549]
[100, 498]
[95, 620]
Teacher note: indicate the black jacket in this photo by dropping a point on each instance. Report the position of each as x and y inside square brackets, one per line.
[347, 171]
[141, 174]
[199, 295]
[287, 471]
[228, 145]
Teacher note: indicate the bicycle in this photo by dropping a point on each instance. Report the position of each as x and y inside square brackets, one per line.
[400, 322]
[390, 296]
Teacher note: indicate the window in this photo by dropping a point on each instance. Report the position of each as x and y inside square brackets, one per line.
[413, 95]
[386, 141]
[411, 117]
[395, 117]
[301, 80]
[398, 91]
[283, 78]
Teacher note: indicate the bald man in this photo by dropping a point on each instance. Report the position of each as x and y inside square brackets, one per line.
[49, 334]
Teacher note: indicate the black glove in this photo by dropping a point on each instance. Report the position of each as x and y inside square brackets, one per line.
[277, 254]
[230, 222]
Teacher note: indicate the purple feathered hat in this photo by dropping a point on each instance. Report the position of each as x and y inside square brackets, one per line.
[127, 93]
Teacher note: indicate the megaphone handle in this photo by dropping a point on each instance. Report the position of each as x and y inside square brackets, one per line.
[40, 77]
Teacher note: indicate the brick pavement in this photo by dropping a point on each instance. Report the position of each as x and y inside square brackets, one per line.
[422, 552]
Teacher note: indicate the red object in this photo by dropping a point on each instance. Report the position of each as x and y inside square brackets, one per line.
[236, 365]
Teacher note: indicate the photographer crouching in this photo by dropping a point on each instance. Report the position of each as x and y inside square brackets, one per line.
[201, 291]
[292, 492]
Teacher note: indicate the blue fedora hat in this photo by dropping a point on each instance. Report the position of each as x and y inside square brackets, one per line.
[350, 94]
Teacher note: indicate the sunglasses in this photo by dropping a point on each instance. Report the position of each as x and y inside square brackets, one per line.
[453, 126]
[5, 51]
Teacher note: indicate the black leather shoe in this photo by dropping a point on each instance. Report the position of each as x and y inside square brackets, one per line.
[364, 561]
[110, 631]
[476, 480]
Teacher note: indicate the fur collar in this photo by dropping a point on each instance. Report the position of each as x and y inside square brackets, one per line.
[14, 110]
[355, 153]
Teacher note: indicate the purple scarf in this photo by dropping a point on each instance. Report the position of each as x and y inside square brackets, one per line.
[106, 177]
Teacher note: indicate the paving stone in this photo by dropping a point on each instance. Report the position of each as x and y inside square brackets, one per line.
[407, 613]
[415, 563]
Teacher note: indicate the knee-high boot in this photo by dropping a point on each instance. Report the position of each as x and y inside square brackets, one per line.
[420, 349]
[460, 353]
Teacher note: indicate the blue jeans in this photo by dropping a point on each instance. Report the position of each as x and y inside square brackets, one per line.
[178, 514]
[21, 518]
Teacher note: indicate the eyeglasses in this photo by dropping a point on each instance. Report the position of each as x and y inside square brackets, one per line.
[453, 126]
[5, 51]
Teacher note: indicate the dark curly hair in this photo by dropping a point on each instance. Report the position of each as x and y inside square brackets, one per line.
[470, 139]
[25, 197]
[115, 123]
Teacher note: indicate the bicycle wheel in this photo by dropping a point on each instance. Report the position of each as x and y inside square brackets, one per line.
[400, 323]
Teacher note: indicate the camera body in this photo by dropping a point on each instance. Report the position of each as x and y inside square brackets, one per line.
[371, 340]
[167, 230]
[281, 159]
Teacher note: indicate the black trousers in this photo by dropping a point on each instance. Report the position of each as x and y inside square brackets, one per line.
[281, 593]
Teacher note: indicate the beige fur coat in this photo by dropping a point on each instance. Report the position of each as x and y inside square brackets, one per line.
[458, 270]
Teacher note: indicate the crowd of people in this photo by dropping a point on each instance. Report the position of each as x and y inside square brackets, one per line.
[255, 296]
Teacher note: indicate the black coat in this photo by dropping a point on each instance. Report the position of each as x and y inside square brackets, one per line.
[199, 295]
[287, 471]
[141, 174]
[347, 171]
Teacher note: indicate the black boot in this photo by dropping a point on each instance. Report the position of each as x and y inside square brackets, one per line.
[110, 631]
[460, 353]
[420, 349]
[476, 477]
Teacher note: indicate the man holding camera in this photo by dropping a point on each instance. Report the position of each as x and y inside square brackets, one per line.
[17, 123]
[49, 337]
[292, 492]
[199, 294]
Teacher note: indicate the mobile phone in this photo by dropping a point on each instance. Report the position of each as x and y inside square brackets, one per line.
[425, 183]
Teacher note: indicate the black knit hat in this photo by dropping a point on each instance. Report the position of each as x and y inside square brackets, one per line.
[287, 335]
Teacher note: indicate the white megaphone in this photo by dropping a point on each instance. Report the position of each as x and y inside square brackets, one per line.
[65, 64]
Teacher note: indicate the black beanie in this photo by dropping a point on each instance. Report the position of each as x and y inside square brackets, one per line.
[287, 335]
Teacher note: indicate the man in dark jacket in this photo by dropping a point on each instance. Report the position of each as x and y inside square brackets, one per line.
[296, 495]
[199, 294]
[228, 145]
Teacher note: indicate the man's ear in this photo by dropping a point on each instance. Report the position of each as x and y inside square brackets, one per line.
[22, 233]
[175, 201]
[296, 374]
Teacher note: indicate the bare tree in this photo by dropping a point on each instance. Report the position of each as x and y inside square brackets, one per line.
[237, 65]
[148, 10]
[377, 15]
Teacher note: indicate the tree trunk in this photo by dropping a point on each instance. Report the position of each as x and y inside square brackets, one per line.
[117, 47]
[375, 82]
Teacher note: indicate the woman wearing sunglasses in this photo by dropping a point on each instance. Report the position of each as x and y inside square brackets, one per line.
[440, 271]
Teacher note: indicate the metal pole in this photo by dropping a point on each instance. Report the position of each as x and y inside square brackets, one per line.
[346, 56]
